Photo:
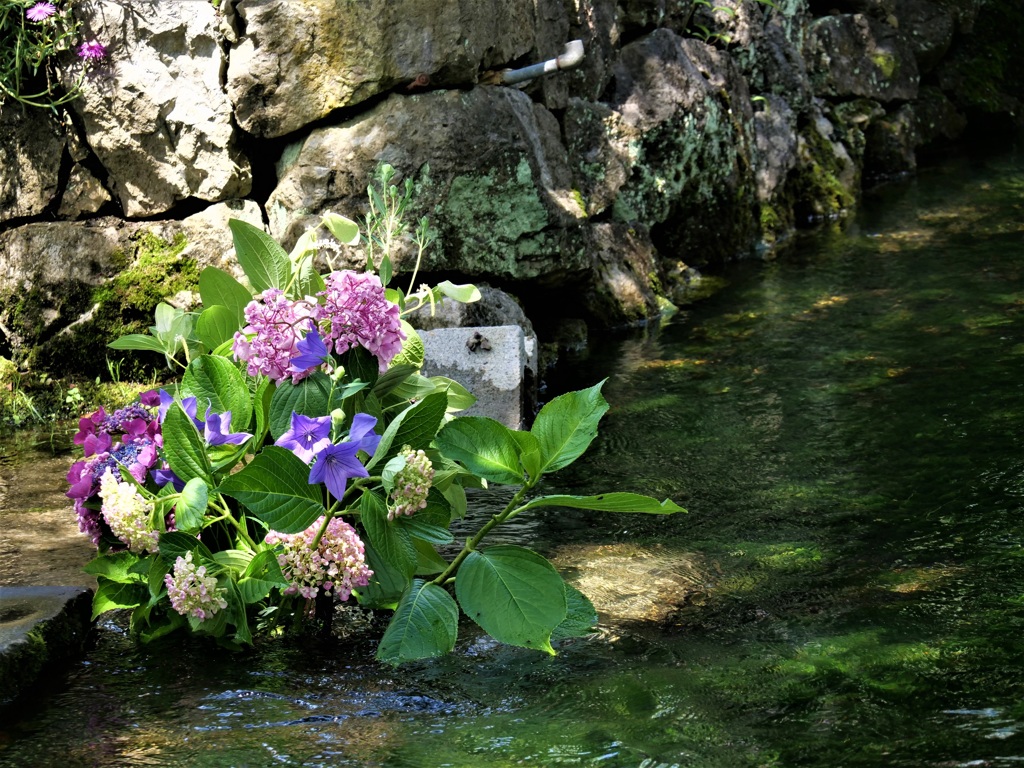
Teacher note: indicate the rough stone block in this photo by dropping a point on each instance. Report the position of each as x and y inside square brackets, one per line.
[39, 627]
[492, 362]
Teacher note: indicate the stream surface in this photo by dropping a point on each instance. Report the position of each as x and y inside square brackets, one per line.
[845, 426]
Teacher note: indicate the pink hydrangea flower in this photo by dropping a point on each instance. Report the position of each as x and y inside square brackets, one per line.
[192, 592]
[276, 325]
[40, 11]
[357, 313]
[338, 563]
[411, 483]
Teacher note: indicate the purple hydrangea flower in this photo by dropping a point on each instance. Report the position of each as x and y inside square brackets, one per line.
[358, 314]
[307, 437]
[91, 50]
[40, 11]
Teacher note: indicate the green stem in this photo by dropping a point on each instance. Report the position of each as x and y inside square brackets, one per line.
[498, 519]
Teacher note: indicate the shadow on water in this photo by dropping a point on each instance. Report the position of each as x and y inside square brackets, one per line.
[843, 423]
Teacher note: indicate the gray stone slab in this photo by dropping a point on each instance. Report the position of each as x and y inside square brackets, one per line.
[490, 361]
[39, 627]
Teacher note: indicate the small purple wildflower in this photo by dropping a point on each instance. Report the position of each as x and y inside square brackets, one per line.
[40, 11]
[91, 50]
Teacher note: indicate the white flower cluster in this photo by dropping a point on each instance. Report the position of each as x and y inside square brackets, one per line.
[127, 514]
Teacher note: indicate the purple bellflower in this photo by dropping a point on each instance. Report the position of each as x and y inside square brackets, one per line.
[308, 436]
[213, 430]
[312, 352]
[334, 465]
[361, 432]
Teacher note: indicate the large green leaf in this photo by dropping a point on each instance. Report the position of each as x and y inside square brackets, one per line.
[216, 382]
[425, 625]
[275, 487]
[115, 566]
[566, 426]
[262, 575]
[608, 502]
[308, 397]
[174, 544]
[111, 595]
[391, 541]
[345, 230]
[514, 594]
[191, 507]
[415, 427]
[483, 446]
[580, 616]
[217, 287]
[264, 262]
[463, 293]
[139, 341]
[387, 584]
[216, 325]
[412, 351]
[183, 447]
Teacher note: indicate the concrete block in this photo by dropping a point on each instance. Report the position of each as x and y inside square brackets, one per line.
[39, 627]
[492, 362]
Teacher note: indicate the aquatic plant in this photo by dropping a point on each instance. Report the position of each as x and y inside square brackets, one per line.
[304, 458]
[33, 36]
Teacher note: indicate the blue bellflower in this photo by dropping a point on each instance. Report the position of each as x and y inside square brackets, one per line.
[213, 430]
[307, 437]
[334, 465]
[312, 352]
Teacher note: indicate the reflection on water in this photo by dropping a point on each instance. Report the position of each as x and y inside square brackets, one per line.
[844, 425]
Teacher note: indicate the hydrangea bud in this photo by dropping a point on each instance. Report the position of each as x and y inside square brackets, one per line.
[411, 484]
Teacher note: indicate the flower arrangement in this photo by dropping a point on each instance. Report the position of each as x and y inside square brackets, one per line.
[303, 457]
[32, 35]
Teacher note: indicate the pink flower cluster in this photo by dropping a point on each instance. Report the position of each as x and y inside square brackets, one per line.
[128, 514]
[411, 484]
[354, 312]
[338, 563]
[357, 314]
[140, 437]
[275, 325]
[192, 592]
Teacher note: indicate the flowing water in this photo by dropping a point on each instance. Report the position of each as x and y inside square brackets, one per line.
[845, 426]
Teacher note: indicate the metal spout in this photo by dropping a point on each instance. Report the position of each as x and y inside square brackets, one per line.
[571, 57]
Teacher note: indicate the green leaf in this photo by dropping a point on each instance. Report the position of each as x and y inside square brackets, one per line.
[307, 280]
[261, 404]
[412, 351]
[114, 566]
[216, 382]
[415, 387]
[138, 341]
[464, 293]
[308, 397]
[459, 398]
[566, 426]
[529, 455]
[514, 594]
[217, 287]
[158, 568]
[264, 262]
[183, 447]
[608, 502]
[415, 427]
[175, 544]
[428, 561]
[483, 446]
[236, 607]
[387, 584]
[393, 377]
[345, 230]
[234, 559]
[216, 325]
[111, 595]
[275, 487]
[190, 511]
[425, 625]
[261, 576]
[580, 616]
[425, 530]
[391, 541]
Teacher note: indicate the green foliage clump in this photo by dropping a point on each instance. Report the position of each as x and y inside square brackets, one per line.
[28, 52]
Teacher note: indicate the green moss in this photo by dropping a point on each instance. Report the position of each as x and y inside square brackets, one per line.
[153, 270]
[818, 183]
[886, 64]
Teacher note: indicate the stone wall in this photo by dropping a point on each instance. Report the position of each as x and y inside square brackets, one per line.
[688, 136]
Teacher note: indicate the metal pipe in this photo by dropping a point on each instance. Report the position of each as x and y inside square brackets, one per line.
[571, 57]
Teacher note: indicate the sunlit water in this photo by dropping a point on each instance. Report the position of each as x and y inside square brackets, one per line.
[844, 425]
